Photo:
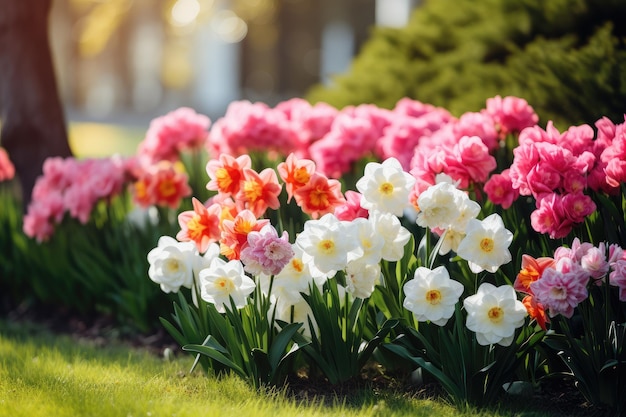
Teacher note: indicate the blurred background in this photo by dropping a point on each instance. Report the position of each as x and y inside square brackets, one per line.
[120, 63]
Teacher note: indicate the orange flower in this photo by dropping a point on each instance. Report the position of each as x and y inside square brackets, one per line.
[320, 196]
[163, 184]
[295, 173]
[140, 191]
[531, 271]
[200, 225]
[169, 184]
[535, 311]
[226, 173]
[259, 191]
[234, 235]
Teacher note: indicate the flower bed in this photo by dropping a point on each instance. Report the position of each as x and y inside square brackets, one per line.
[484, 250]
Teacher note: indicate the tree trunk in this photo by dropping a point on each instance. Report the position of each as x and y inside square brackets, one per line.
[33, 123]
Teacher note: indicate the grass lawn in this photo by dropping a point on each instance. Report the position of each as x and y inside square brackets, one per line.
[43, 374]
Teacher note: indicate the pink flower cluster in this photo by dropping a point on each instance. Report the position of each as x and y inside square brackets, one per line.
[180, 130]
[248, 127]
[558, 285]
[7, 170]
[463, 148]
[558, 168]
[74, 187]
[333, 139]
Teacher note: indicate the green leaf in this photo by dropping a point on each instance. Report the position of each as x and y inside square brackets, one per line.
[282, 339]
[216, 355]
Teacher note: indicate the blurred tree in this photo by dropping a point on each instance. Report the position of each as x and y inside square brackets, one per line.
[566, 57]
[33, 124]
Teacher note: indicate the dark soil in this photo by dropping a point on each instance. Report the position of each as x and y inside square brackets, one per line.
[557, 397]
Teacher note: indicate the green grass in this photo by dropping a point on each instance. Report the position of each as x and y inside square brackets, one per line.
[42, 374]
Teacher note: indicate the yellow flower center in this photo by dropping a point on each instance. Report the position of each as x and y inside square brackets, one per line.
[433, 297]
[319, 198]
[326, 246]
[495, 314]
[297, 265]
[223, 178]
[252, 190]
[172, 266]
[301, 175]
[195, 228]
[224, 284]
[141, 189]
[167, 188]
[386, 188]
[486, 244]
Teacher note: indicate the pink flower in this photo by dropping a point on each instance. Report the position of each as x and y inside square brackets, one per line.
[577, 139]
[562, 288]
[7, 170]
[319, 196]
[512, 114]
[352, 208]
[235, 232]
[617, 278]
[168, 135]
[79, 201]
[259, 191]
[525, 158]
[478, 124]
[295, 173]
[163, 184]
[226, 173]
[578, 206]
[500, 190]
[550, 217]
[535, 134]
[309, 123]
[353, 134]
[616, 172]
[42, 215]
[594, 262]
[469, 161]
[400, 138]
[250, 127]
[266, 252]
[200, 225]
[543, 178]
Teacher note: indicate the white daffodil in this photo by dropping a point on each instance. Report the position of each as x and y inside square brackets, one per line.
[450, 241]
[361, 278]
[468, 210]
[204, 261]
[329, 243]
[171, 264]
[494, 313]
[395, 236]
[385, 187]
[370, 240]
[223, 280]
[486, 244]
[440, 206]
[431, 295]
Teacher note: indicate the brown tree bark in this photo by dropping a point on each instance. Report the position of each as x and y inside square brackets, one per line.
[33, 121]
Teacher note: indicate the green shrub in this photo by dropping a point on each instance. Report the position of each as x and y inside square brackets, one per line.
[567, 58]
